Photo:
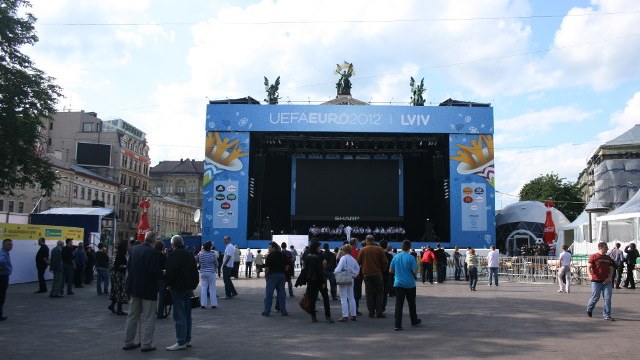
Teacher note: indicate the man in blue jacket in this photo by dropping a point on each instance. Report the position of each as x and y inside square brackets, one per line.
[143, 273]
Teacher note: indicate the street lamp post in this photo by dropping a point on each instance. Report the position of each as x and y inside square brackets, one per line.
[115, 218]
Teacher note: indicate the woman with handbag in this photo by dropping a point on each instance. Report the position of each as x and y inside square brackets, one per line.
[346, 270]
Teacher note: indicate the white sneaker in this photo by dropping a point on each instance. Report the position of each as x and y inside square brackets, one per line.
[560, 291]
[176, 346]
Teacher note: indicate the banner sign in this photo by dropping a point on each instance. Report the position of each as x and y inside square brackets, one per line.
[340, 118]
[34, 232]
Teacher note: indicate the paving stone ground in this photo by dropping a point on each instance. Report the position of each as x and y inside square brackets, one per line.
[512, 321]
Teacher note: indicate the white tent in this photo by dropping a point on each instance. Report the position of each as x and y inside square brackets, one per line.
[623, 223]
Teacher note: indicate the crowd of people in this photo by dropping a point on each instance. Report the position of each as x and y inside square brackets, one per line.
[146, 276]
[326, 233]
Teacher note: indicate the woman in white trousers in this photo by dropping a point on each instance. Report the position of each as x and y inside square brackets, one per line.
[348, 302]
[208, 264]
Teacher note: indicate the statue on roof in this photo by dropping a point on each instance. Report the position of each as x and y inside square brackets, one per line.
[272, 91]
[344, 84]
[416, 92]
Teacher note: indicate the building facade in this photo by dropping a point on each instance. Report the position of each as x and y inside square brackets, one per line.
[77, 187]
[182, 180]
[114, 149]
[612, 175]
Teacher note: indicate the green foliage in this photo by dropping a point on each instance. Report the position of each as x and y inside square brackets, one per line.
[27, 97]
[565, 195]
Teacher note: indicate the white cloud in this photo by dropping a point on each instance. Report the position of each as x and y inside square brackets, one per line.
[609, 56]
[532, 123]
[623, 120]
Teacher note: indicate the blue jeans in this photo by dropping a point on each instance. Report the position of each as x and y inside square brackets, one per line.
[103, 276]
[493, 274]
[275, 281]
[473, 277]
[182, 315]
[606, 290]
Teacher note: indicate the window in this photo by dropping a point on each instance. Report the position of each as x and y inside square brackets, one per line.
[102, 195]
[50, 125]
[1, 204]
[113, 199]
[87, 127]
[10, 206]
[20, 207]
[75, 191]
[95, 196]
[89, 194]
[82, 192]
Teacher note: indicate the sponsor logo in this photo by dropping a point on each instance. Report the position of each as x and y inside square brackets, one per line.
[473, 207]
[220, 188]
[346, 218]
[225, 221]
[478, 191]
[467, 190]
[231, 213]
[220, 213]
[225, 205]
[232, 188]
[467, 199]
[219, 196]
[52, 232]
[231, 197]
[479, 199]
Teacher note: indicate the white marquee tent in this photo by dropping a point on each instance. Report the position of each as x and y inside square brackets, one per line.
[621, 224]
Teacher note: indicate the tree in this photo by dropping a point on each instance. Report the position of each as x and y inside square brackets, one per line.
[564, 194]
[27, 98]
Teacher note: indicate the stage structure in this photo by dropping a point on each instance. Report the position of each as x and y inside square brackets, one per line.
[281, 169]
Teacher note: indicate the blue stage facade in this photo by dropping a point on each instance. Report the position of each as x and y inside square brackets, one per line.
[230, 187]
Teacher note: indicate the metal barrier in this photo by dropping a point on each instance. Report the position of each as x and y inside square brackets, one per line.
[541, 269]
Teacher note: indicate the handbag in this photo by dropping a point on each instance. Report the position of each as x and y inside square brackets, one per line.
[195, 302]
[305, 303]
[344, 278]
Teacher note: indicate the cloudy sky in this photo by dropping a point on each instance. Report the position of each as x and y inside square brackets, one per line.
[562, 76]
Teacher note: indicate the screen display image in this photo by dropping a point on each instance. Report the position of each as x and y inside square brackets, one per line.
[93, 154]
[347, 187]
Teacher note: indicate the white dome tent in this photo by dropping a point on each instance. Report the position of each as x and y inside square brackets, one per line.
[523, 223]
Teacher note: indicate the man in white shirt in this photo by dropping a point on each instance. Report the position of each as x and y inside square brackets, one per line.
[618, 264]
[564, 272]
[248, 271]
[227, 268]
[493, 261]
